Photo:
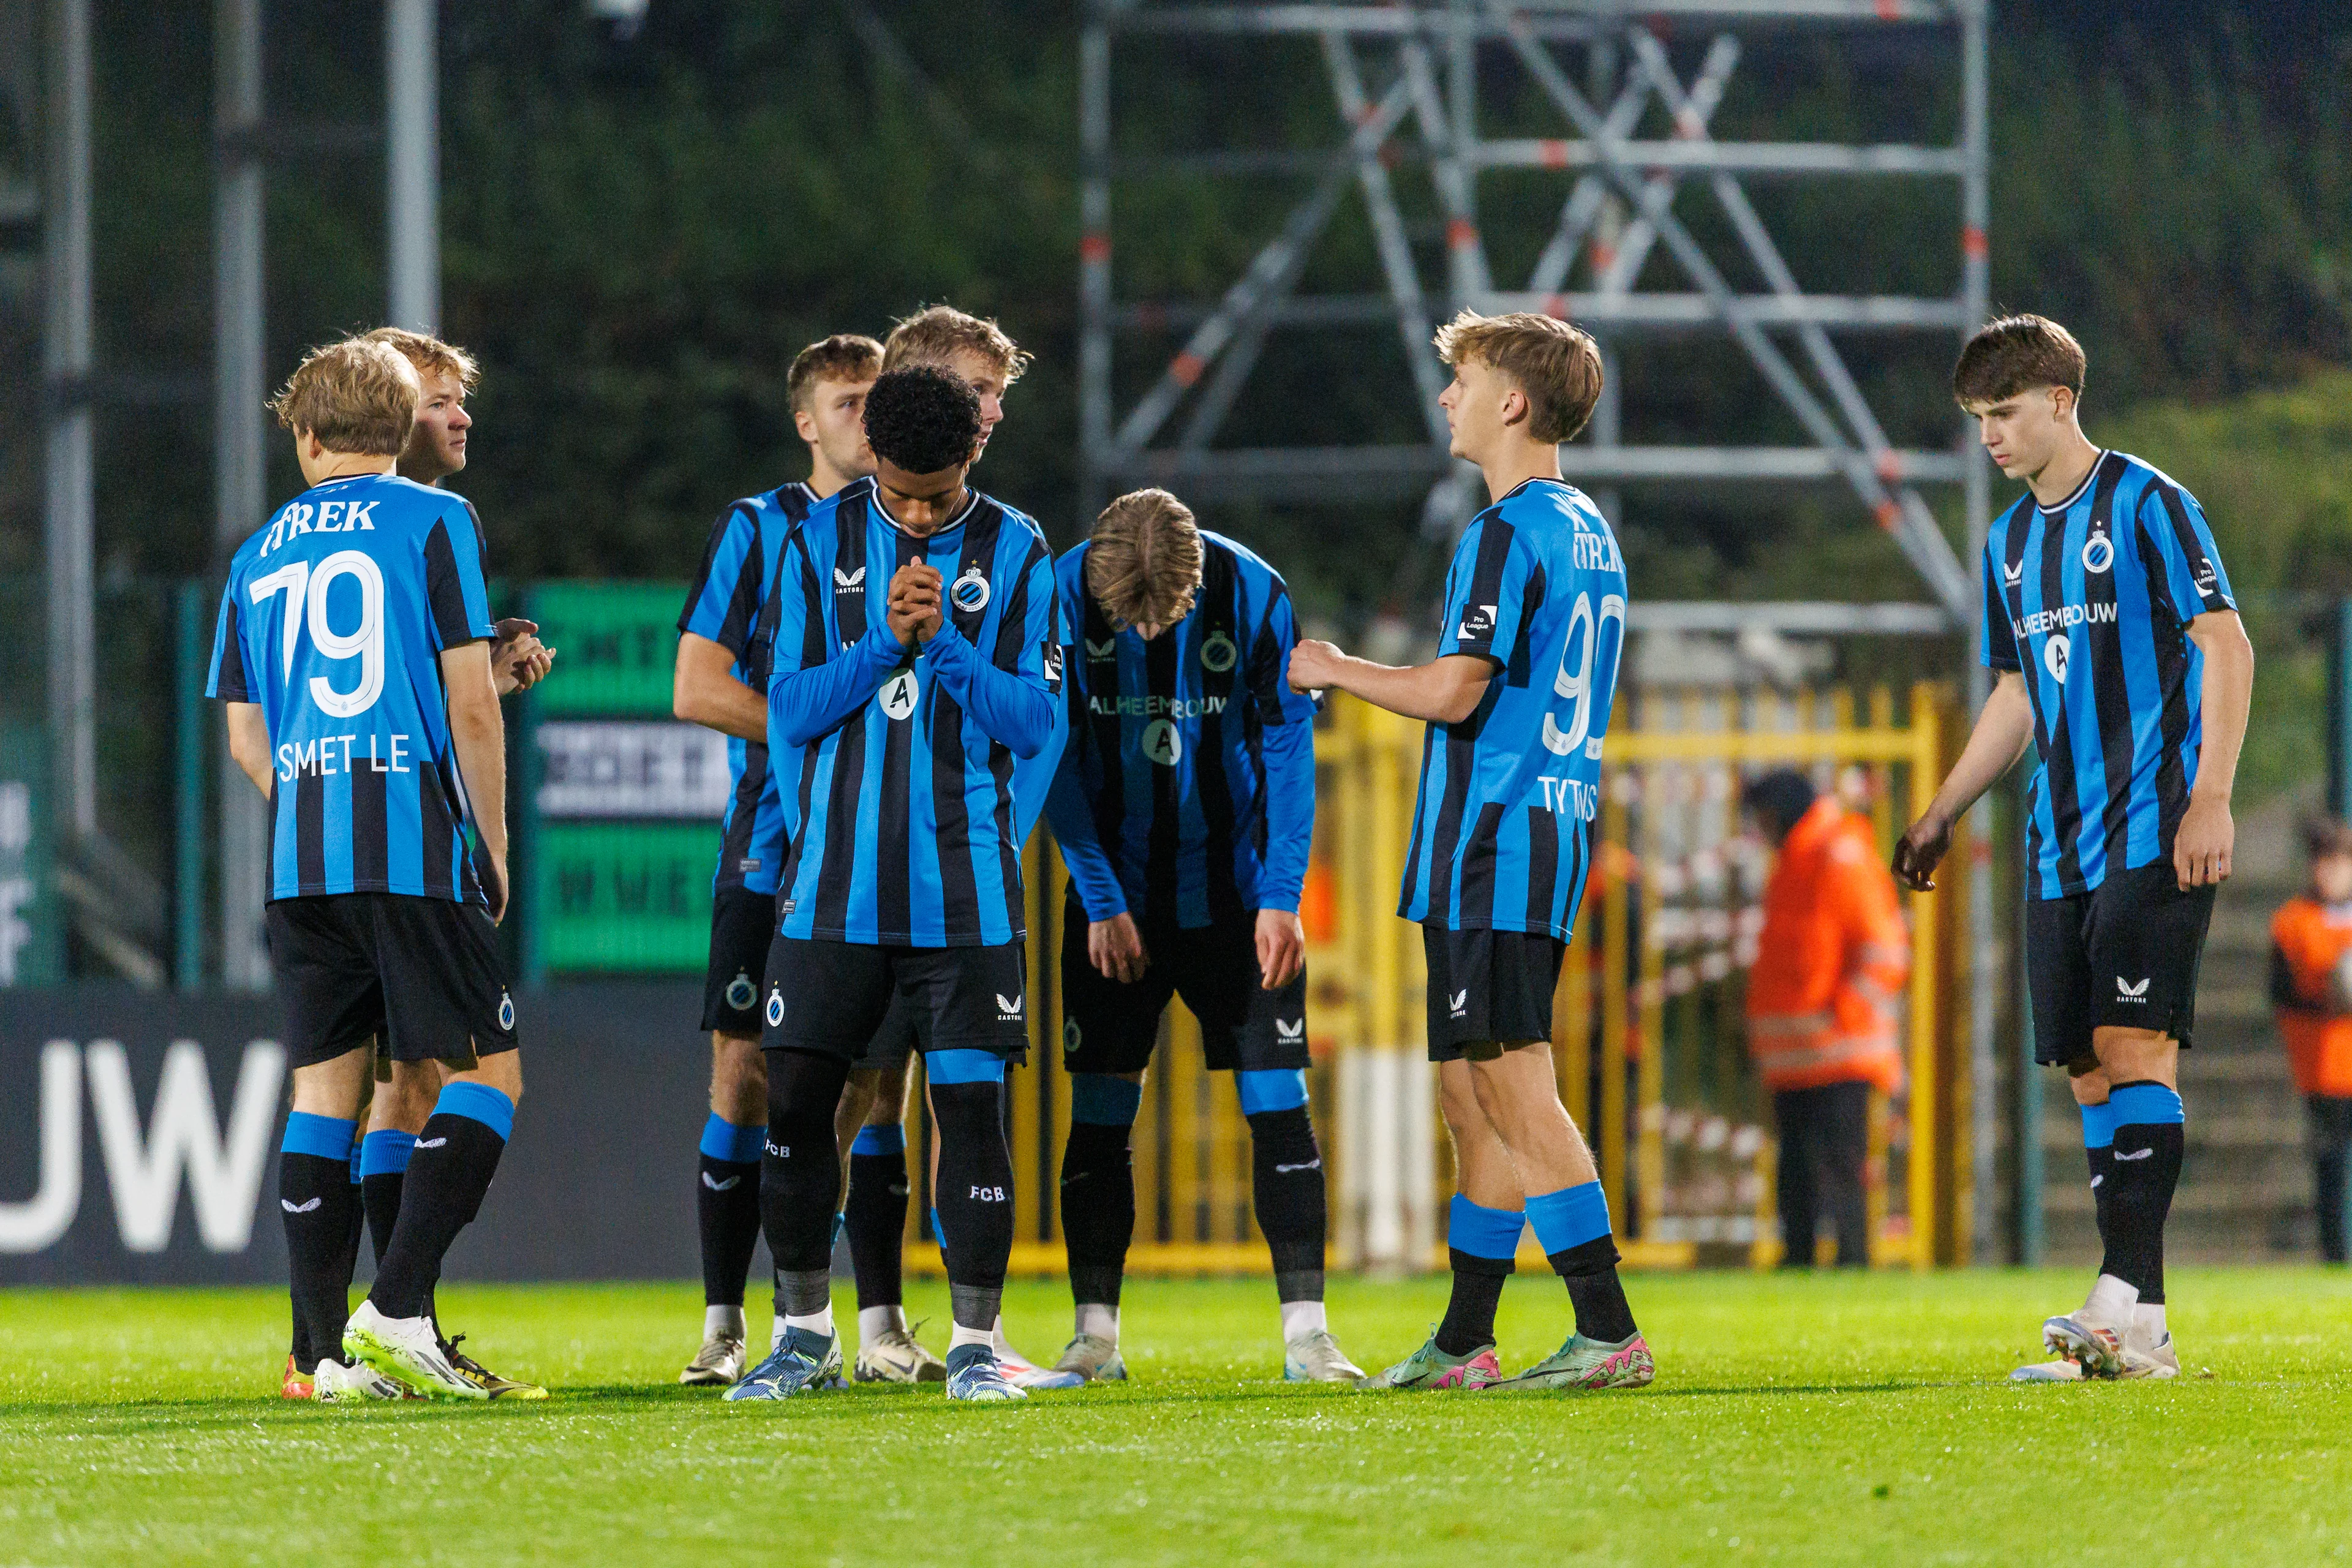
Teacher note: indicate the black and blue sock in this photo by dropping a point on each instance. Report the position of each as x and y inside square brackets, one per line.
[316, 1200]
[727, 1207]
[1481, 1244]
[975, 1186]
[2149, 1138]
[2098, 1152]
[1286, 1179]
[1572, 1228]
[448, 1172]
[800, 1177]
[874, 1214]
[1098, 1185]
[383, 1174]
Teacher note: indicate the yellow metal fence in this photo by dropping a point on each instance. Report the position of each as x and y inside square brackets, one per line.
[1647, 1024]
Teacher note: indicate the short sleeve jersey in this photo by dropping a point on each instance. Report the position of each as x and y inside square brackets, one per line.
[725, 604]
[1187, 793]
[2090, 601]
[333, 621]
[904, 824]
[1502, 831]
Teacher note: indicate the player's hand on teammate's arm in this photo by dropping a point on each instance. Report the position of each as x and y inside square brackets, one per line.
[1919, 851]
[1281, 948]
[1115, 949]
[518, 660]
[913, 611]
[1315, 665]
[2203, 843]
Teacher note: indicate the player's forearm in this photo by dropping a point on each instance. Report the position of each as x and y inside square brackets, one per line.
[2003, 731]
[1289, 813]
[803, 704]
[478, 736]
[1009, 707]
[248, 743]
[1434, 692]
[1073, 821]
[2224, 703]
[720, 702]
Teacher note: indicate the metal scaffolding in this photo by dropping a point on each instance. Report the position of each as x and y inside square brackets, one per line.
[1405, 83]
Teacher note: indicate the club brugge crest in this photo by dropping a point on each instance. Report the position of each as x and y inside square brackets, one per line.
[742, 992]
[776, 1009]
[1070, 1036]
[2098, 553]
[898, 694]
[1218, 653]
[970, 591]
[505, 1011]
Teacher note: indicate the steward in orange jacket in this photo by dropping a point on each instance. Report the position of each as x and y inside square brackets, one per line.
[1824, 1000]
[1822, 1013]
[2311, 938]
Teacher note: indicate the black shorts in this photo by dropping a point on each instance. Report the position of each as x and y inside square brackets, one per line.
[742, 925]
[1110, 1028]
[1490, 985]
[2124, 956]
[423, 973]
[905, 1031]
[835, 997]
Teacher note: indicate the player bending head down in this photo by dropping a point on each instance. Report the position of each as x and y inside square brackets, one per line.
[1502, 841]
[917, 663]
[2118, 656]
[353, 654]
[720, 682]
[1184, 806]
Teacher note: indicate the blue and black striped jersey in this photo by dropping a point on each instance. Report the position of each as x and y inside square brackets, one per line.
[1502, 832]
[333, 621]
[1187, 792]
[2091, 601]
[725, 603]
[899, 771]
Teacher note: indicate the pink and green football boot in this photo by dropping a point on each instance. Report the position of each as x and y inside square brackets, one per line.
[1584, 1364]
[1431, 1368]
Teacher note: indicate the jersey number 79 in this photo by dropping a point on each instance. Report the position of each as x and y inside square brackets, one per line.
[306, 587]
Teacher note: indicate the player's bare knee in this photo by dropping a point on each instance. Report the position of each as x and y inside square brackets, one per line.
[335, 1086]
[502, 1070]
[2135, 1056]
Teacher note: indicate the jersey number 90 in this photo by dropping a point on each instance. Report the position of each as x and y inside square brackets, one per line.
[1583, 668]
[306, 587]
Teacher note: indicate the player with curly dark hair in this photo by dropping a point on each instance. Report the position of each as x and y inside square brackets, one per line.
[923, 421]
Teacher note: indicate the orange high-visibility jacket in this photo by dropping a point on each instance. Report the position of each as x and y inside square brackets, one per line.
[1831, 960]
[2307, 939]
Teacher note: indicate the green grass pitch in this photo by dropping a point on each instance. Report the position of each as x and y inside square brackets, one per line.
[1825, 1420]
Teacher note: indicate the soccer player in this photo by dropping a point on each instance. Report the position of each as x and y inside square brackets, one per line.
[394, 1113]
[874, 1107]
[720, 683]
[353, 651]
[2121, 661]
[917, 658]
[1184, 806]
[1518, 702]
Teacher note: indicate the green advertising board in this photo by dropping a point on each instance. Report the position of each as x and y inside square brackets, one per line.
[624, 897]
[620, 809]
[32, 924]
[614, 644]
